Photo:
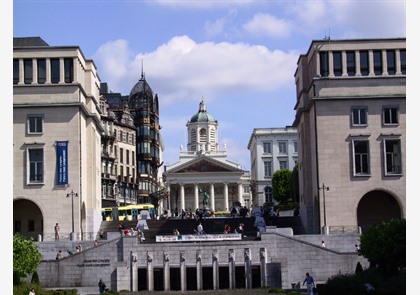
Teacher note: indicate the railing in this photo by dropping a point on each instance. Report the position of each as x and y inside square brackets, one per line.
[343, 229]
[50, 237]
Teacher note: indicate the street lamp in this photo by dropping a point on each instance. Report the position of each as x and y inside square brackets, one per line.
[324, 188]
[72, 195]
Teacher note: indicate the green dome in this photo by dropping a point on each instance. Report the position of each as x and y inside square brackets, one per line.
[202, 115]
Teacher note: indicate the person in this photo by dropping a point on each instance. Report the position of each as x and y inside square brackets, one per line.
[101, 286]
[95, 244]
[140, 235]
[200, 229]
[80, 248]
[59, 255]
[77, 249]
[227, 228]
[309, 281]
[176, 232]
[32, 291]
[369, 288]
[57, 232]
[120, 229]
[357, 248]
[323, 244]
[101, 234]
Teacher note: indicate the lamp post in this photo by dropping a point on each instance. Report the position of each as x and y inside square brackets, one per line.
[72, 195]
[324, 188]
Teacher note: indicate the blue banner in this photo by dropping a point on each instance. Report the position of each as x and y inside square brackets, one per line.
[62, 162]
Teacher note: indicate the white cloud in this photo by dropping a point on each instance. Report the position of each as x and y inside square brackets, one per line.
[264, 25]
[214, 28]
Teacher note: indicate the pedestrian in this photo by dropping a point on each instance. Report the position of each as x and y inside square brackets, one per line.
[227, 228]
[310, 284]
[176, 232]
[95, 244]
[200, 229]
[77, 249]
[322, 244]
[101, 286]
[59, 255]
[57, 232]
[120, 229]
[32, 292]
[369, 288]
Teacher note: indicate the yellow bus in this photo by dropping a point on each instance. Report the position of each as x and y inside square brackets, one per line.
[130, 212]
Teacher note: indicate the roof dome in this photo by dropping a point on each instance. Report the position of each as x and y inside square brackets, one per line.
[202, 115]
[140, 91]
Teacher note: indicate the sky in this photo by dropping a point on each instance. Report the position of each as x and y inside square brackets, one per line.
[240, 55]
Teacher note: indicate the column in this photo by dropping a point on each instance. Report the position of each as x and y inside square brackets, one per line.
[215, 261]
[248, 268]
[34, 71]
[199, 272]
[371, 70]
[166, 272]
[75, 64]
[397, 62]
[263, 268]
[196, 205]
[134, 273]
[168, 201]
[330, 64]
[226, 189]
[384, 63]
[212, 205]
[48, 71]
[344, 63]
[61, 70]
[357, 61]
[182, 205]
[150, 277]
[183, 270]
[240, 197]
[317, 64]
[231, 257]
[21, 72]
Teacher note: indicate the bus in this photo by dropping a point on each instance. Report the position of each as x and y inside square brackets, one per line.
[129, 212]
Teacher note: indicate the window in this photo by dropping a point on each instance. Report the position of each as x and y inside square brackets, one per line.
[402, 60]
[267, 147]
[15, 71]
[31, 225]
[359, 116]
[390, 62]
[133, 158]
[351, 63]
[338, 67]
[377, 62]
[35, 124]
[361, 157]
[392, 156]
[324, 64]
[390, 115]
[283, 164]
[295, 146]
[68, 70]
[268, 193]
[42, 70]
[35, 165]
[27, 71]
[364, 63]
[55, 70]
[282, 147]
[121, 155]
[127, 157]
[268, 170]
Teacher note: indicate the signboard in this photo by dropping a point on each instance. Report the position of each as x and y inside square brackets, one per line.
[62, 162]
[199, 238]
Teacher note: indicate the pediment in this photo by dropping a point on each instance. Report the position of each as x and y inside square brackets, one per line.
[204, 165]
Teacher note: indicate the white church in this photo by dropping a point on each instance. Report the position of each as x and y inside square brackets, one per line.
[204, 169]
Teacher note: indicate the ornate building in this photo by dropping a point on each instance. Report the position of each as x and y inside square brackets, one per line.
[204, 170]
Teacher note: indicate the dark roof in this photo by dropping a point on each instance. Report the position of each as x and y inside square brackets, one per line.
[29, 41]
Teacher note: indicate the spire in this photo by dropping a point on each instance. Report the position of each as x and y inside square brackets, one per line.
[142, 72]
[202, 108]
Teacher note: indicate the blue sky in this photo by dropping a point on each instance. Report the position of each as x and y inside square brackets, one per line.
[239, 55]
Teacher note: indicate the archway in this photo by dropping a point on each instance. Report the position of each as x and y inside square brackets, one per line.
[27, 219]
[376, 207]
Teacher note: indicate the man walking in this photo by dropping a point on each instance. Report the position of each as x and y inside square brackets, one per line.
[309, 281]
[57, 232]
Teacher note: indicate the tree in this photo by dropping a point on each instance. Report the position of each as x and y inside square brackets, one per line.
[281, 185]
[294, 184]
[384, 245]
[26, 257]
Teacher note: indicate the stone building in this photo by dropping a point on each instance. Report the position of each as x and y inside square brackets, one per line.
[205, 169]
[56, 141]
[351, 121]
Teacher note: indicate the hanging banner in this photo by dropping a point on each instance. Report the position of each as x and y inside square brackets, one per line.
[62, 162]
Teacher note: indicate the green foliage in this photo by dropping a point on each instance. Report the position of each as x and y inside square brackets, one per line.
[281, 182]
[294, 184]
[26, 257]
[276, 290]
[384, 245]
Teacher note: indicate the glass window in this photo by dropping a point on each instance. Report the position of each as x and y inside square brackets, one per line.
[351, 63]
[361, 157]
[35, 124]
[267, 147]
[268, 169]
[377, 62]
[390, 62]
[324, 63]
[55, 70]
[133, 158]
[364, 63]
[68, 70]
[338, 66]
[268, 193]
[36, 165]
[42, 70]
[283, 164]
[15, 71]
[402, 60]
[390, 115]
[121, 155]
[282, 147]
[27, 71]
[359, 116]
[295, 146]
[392, 156]
[127, 157]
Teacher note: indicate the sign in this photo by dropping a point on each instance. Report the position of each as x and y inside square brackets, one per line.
[199, 238]
[62, 162]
